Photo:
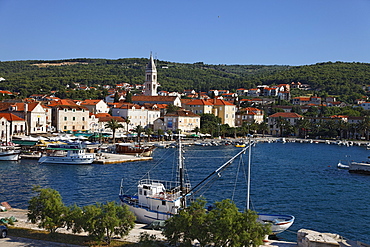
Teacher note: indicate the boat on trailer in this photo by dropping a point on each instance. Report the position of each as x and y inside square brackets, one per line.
[160, 200]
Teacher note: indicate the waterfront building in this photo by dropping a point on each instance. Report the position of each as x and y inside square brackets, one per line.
[183, 120]
[137, 114]
[34, 114]
[199, 106]
[279, 121]
[95, 106]
[224, 110]
[248, 115]
[70, 117]
[11, 125]
[142, 99]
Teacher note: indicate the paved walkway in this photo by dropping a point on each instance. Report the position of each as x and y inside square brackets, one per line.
[22, 242]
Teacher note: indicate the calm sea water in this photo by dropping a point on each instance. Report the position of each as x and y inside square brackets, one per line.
[292, 178]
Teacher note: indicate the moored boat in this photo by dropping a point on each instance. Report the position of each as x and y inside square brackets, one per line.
[279, 223]
[67, 154]
[360, 167]
[9, 153]
[157, 199]
[129, 148]
[160, 200]
[342, 164]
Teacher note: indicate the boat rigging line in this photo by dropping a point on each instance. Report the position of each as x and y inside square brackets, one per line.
[218, 170]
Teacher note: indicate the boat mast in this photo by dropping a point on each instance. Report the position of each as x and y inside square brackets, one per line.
[249, 172]
[181, 174]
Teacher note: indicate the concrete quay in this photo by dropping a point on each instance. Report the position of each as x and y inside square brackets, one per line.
[109, 158]
[305, 237]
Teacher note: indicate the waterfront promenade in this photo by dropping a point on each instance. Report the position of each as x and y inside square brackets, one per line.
[134, 235]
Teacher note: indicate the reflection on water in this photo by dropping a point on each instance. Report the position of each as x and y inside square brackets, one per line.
[292, 178]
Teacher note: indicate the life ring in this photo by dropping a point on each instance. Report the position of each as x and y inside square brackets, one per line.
[161, 194]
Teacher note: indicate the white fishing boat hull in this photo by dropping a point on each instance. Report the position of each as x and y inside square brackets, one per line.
[359, 167]
[84, 160]
[279, 223]
[9, 155]
[146, 216]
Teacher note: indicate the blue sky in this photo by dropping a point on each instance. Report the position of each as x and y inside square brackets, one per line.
[284, 32]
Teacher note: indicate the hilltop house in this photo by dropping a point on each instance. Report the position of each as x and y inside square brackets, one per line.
[306, 101]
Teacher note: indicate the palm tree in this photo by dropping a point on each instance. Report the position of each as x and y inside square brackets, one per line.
[128, 121]
[138, 130]
[169, 132]
[281, 123]
[303, 125]
[263, 127]
[160, 133]
[149, 132]
[113, 125]
[343, 129]
[196, 130]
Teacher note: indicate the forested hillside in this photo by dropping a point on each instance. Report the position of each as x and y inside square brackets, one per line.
[346, 80]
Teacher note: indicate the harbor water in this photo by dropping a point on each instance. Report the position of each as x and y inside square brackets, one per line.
[301, 179]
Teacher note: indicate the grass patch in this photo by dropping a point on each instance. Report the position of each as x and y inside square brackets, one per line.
[62, 238]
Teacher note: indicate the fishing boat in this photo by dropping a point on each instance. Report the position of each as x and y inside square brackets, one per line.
[67, 154]
[278, 223]
[157, 199]
[129, 148]
[360, 167]
[160, 200]
[9, 152]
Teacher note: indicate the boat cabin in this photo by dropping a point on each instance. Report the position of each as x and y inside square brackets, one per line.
[155, 196]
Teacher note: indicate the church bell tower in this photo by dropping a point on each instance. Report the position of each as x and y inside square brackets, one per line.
[151, 84]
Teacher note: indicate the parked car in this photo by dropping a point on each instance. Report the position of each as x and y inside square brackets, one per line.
[3, 231]
[156, 225]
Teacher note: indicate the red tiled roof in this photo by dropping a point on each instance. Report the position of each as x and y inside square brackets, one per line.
[90, 101]
[10, 117]
[4, 106]
[154, 98]
[219, 102]
[63, 102]
[107, 119]
[99, 115]
[285, 115]
[182, 113]
[199, 102]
